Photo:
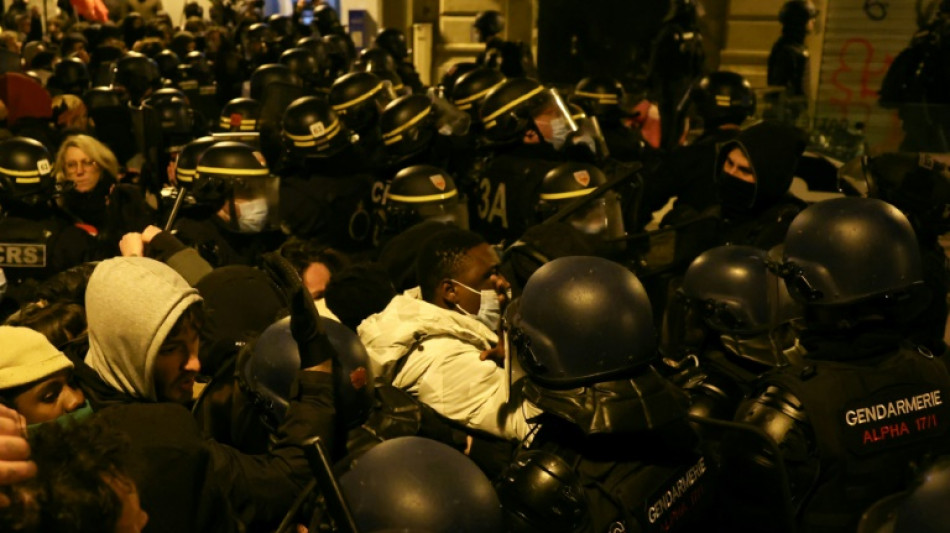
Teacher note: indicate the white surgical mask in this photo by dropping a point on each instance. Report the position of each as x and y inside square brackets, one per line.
[252, 215]
[489, 310]
[559, 132]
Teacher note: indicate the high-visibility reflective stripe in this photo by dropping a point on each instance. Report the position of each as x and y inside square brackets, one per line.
[514, 103]
[477, 96]
[234, 171]
[18, 173]
[359, 99]
[605, 98]
[421, 199]
[566, 195]
[408, 125]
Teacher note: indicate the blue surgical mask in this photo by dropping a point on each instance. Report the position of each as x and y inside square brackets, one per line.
[489, 310]
[73, 417]
[252, 216]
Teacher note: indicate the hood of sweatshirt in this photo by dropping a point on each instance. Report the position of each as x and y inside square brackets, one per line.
[131, 305]
[773, 150]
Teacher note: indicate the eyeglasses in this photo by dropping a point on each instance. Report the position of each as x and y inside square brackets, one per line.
[87, 164]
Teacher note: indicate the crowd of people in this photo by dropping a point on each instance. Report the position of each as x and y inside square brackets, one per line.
[254, 279]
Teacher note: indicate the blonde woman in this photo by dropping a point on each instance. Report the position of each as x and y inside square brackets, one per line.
[93, 195]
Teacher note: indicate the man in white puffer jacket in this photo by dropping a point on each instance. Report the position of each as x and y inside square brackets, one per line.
[448, 327]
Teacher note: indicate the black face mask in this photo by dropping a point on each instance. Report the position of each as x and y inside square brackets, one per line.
[736, 194]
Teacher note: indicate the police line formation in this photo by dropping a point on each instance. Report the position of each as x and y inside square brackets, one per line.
[257, 282]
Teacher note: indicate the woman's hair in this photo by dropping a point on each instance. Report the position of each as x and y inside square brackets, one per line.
[94, 149]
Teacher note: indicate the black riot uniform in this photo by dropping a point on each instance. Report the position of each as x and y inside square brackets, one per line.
[513, 59]
[864, 403]
[789, 58]
[601, 97]
[915, 85]
[36, 238]
[233, 179]
[393, 41]
[419, 129]
[919, 186]
[505, 184]
[676, 63]
[326, 191]
[728, 326]
[614, 451]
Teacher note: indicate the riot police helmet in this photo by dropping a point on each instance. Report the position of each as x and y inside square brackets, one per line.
[451, 76]
[187, 164]
[326, 20]
[256, 32]
[236, 173]
[165, 93]
[102, 96]
[724, 97]
[168, 62]
[519, 105]
[376, 60]
[267, 368]
[407, 125]
[423, 192]
[282, 29]
[339, 54]
[853, 253]
[569, 181]
[471, 88]
[318, 49]
[393, 40]
[71, 76]
[488, 24]
[303, 64]
[797, 13]
[137, 75]
[312, 129]
[600, 96]
[271, 73]
[541, 492]
[240, 114]
[359, 97]
[419, 484]
[733, 291]
[182, 43]
[26, 174]
[177, 121]
[580, 321]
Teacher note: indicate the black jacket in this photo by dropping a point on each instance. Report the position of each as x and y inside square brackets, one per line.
[189, 483]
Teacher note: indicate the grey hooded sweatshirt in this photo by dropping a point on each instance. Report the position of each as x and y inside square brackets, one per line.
[187, 482]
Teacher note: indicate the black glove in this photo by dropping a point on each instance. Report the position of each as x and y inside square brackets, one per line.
[312, 341]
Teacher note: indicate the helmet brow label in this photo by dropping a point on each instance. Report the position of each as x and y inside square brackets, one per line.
[43, 166]
[317, 129]
[438, 181]
[582, 177]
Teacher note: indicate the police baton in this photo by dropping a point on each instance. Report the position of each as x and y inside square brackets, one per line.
[337, 508]
[178, 201]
